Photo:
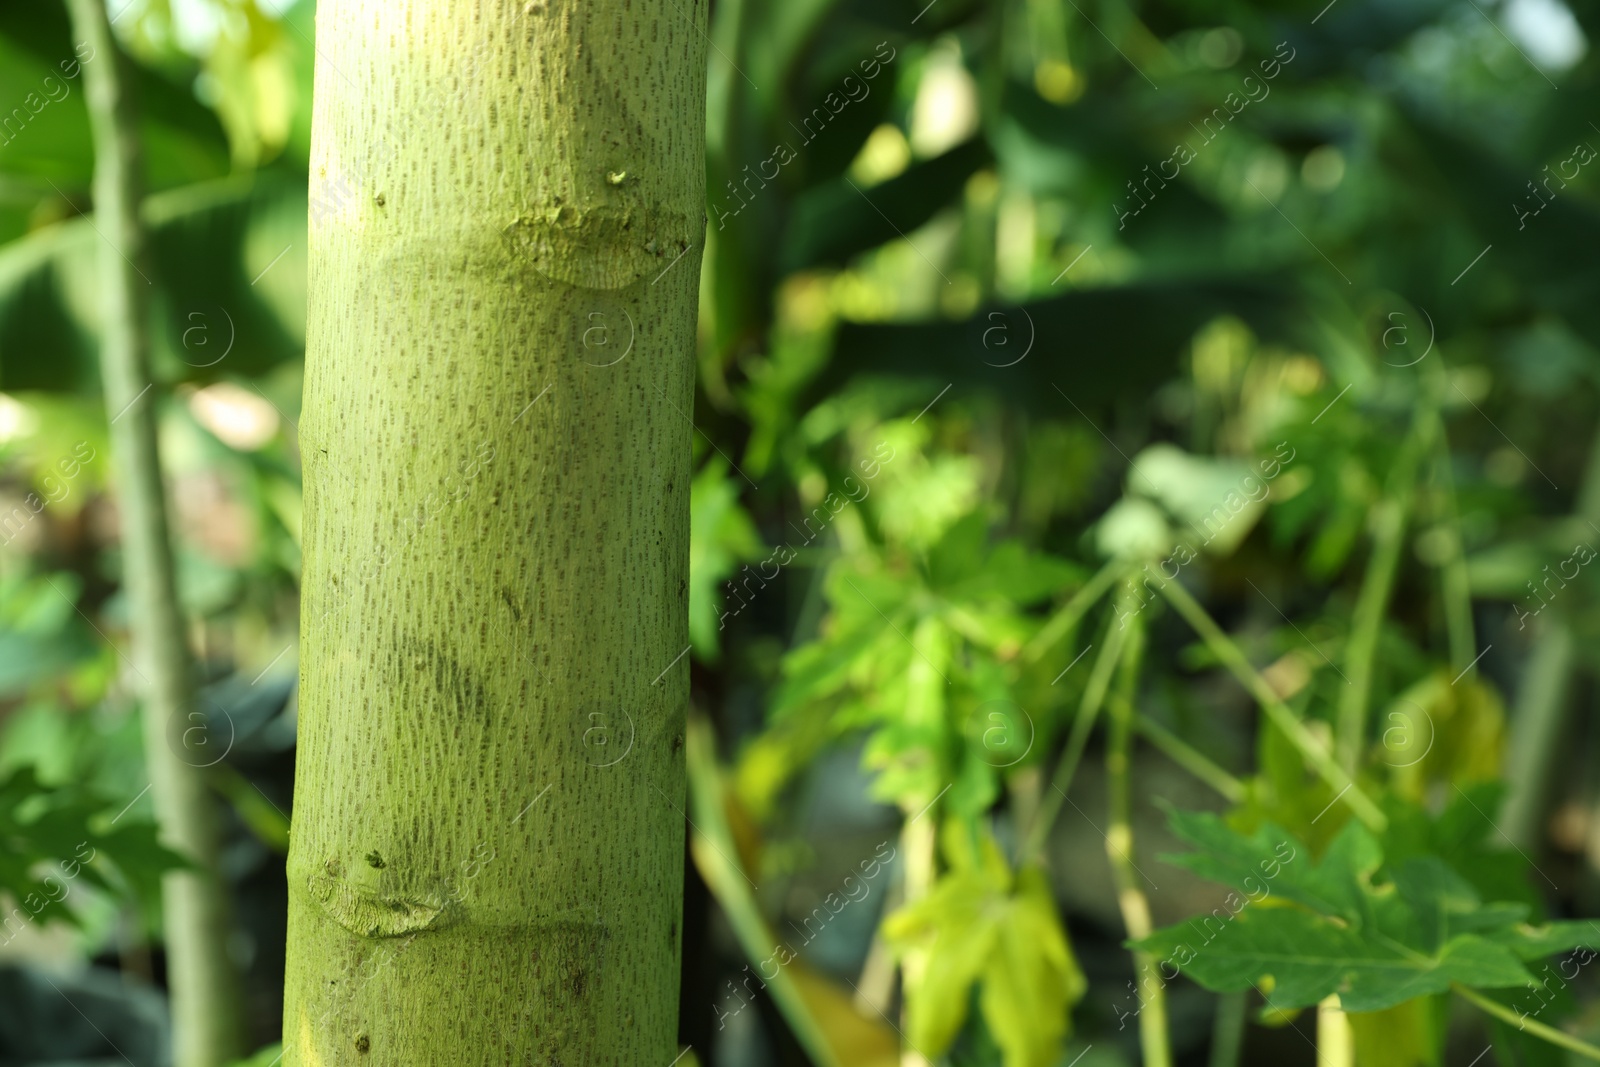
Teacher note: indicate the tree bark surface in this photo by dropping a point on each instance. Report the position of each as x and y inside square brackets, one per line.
[507, 219]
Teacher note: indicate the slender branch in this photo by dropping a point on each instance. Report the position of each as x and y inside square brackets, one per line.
[1062, 622]
[918, 871]
[1541, 705]
[1227, 1033]
[716, 856]
[1131, 900]
[1315, 755]
[1455, 586]
[1525, 1024]
[1094, 695]
[1389, 522]
[1190, 758]
[205, 1004]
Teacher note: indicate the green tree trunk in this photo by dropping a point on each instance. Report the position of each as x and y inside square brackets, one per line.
[507, 217]
[204, 988]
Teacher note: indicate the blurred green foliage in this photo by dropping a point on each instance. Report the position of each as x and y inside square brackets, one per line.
[1019, 317]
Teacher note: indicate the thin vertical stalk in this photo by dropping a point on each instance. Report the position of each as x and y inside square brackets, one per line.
[1455, 587]
[1336, 1045]
[919, 847]
[1389, 526]
[1541, 699]
[1094, 695]
[925, 704]
[1536, 732]
[205, 1002]
[1135, 906]
[1227, 1033]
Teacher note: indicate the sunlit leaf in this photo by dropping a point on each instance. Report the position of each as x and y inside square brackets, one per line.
[982, 923]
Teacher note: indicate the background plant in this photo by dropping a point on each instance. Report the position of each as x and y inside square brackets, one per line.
[1031, 624]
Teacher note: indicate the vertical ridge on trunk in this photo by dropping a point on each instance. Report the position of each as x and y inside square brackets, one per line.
[486, 862]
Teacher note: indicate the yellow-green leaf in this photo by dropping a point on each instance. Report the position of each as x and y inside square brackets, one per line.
[1031, 981]
[980, 923]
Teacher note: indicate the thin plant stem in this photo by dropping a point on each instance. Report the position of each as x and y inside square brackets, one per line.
[1131, 900]
[1070, 613]
[1455, 587]
[1538, 1029]
[1227, 1033]
[1315, 755]
[197, 924]
[1190, 758]
[1541, 704]
[716, 857]
[1094, 695]
[1389, 527]
[1336, 1046]
[1537, 732]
